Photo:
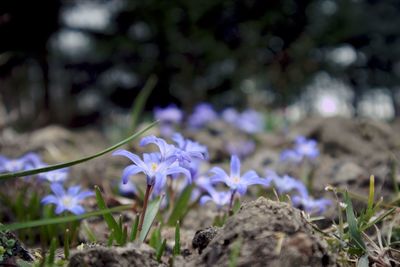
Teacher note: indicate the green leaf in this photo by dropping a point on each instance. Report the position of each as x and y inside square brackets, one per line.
[370, 208]
[160, 250]
[354, 231]
[52, 252]
[134, 229]
[177, 246]
[363, 261]
[111, 222]
[58, 220]
[181, 206]
[149, 217]
[74, 162]
[155, 238]
[141, 99]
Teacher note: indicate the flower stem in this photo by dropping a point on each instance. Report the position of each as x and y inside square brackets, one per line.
[145, 201]
[231, 203]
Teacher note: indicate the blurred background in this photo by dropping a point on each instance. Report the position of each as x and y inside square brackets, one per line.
[79, 63]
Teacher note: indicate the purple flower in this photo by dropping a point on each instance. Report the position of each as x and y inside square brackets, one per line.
[307, 148]
[230, 115]
[168, 117]
[235, 181]
[285, 184]
[167, 151]
[291, 155]
[67, 200]
[202, 115]
[26, 162]
[250, 121]
[127, 188]
[311, 205]
[193, 149]
[153, 166]
[242, 148]
[220, 198]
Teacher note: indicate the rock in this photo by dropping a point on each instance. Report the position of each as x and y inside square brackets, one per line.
[133, 254]
[266, 233]
[203, 237]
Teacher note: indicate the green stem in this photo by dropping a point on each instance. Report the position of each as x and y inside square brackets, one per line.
[231, 203]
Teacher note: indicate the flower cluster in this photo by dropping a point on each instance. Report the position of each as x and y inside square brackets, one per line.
[303, 149]
[299, 193]
[249, 121]
[64, 200]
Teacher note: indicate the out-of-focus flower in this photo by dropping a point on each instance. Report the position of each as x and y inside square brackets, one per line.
[153, 166]
[285, 184]
[203, 114]
[67, 200]
[310, 204]
[220, 198]
[250, 121]
[307, 148]
[169, 117]
[26, 162]
[235, 181]
[56, 176]
[242, 148]
[291, 155]
[127, 188]
[230, 115]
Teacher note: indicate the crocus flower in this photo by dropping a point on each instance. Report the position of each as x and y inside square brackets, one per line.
[285, 184]
[310, 204]
[307, 148]
[168, 117]
[26, 162]
[235, 181]
[67, 200]
[220, 198]
[153, 166]
[203, 114]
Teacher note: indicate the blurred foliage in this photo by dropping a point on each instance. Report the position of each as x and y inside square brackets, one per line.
[241, 53]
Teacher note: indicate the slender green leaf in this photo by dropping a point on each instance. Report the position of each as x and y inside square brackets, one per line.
[89, 233]
[149, 217]
[371, 197]
[181, 206]
[111, 238]
[155, 238]
[52, 252]
[355, 233]
[141, 99]
[134, 229]
[111, 222]
[74, 162]
[177, 246]
[58, 220]
[363, 261]
[235, 253]
[160, 250]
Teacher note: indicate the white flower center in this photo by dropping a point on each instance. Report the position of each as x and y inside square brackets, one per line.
[67, 201]
[236, 179]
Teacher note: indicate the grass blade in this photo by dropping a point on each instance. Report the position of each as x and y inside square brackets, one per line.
[66, 243]
[135, 229]
[52, 252]
[75, 162]
[370, 207]
[354, 231]
[177, 246]
[111, 222]
[149, 217]
[181, 206]
[141, 99]
[58, 220]
[161, 249]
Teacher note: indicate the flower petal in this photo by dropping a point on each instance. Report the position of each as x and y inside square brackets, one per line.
[220, 175]
[129, 171]
[77, 209]
[235, 166]
[57, 189]
[134, 158]
[49, 199]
